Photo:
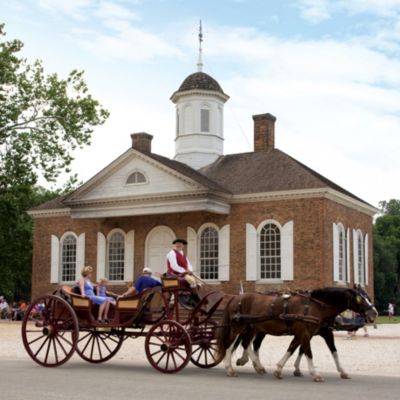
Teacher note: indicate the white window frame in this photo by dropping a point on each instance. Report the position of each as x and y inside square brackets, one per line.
[360, 260]
[60, 265]
[198, 258]
[107, 269]
[136, 171]
[259, 229]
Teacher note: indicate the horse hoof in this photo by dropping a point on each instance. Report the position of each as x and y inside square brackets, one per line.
[343, 375]
[297, 373]
[278, 375]
[261, 370]
[241, 362]
[318, 378]
[232, 374]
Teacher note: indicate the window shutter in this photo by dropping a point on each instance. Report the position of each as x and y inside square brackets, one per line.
[224, 248]
[101, 255]
[192, 248]
[335, 245]
[251, 253]
[129, 255]
[80, 255]
[348, 254]
[287, 251]
[366, 258]
[355, 256]
[55, 259]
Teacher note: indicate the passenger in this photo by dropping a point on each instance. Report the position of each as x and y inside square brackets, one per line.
[145, 281]
[101, 291]
[87, 291]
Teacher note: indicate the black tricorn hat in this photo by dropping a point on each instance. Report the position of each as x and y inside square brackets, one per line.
[183, 241]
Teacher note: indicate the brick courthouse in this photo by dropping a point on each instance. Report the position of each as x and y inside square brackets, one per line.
[261, 217]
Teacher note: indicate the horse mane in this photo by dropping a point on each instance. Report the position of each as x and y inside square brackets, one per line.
[331, 295]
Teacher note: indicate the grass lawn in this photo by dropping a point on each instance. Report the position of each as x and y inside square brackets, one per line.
[384, 319]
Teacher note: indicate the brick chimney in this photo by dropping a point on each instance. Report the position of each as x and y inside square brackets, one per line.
[264, 132]
[142, 141]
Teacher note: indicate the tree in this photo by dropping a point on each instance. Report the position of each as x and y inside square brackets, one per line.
[43, 118]
[387, 254]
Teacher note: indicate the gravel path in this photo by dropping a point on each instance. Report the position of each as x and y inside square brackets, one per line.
[378, 354]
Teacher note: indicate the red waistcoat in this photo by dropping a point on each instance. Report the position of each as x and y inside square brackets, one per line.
[181, 260]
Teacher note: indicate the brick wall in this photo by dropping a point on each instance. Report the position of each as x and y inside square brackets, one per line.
[312, 218]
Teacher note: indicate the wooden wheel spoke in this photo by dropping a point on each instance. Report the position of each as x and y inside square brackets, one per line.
[55, 350]
[84, 337]
[41, 347]
[62, 347]
[65, 340]
[195, 351]
[113, 339]
[92, 350]
[35, 340]
[162, 356]
[179, 355]
[98, 346]
[87, 344]
[48, 350]
[105, 343]
[156, 352]
[173, 359]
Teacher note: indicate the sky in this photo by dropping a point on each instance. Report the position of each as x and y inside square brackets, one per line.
[329, 70]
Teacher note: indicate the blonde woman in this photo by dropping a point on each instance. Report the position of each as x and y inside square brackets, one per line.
[87, 291]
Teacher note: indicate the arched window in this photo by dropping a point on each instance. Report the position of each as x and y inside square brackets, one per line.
[270, 252]
[68, 258]
[116, 257]
[361, 265]
[205, 120]
[136, 177]
[209, 254]
[342, 268]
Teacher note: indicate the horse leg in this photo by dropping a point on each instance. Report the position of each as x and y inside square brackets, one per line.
[305, 343]
[297, 371]
[327, 334]
[228, 358]
[255, 360]
[291, 349]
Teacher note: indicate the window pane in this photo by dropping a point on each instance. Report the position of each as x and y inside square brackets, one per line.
[205, 120]
[209, 254]
[68, 259]
[136, 177]
[116, 257]
[270, 252]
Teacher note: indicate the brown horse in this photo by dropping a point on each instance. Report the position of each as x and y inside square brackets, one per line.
[298, 314]
[325, 331]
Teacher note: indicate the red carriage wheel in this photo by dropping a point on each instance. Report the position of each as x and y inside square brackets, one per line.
[204, 345]
[50, 331]
[168, 347]
[97, 345]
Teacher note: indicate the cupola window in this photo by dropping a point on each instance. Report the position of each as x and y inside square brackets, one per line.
[205, 120]
[136, 177]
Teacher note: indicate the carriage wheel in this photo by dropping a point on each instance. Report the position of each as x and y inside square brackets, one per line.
[50, 336]
[204, 345]
[168, 347]
[98, 345]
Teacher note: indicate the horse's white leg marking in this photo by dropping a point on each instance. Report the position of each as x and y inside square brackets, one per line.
[228, 359]
[297, 371]
[243, 359]
[317, 377]
[256, 361]
[281, 364]
[340, 369]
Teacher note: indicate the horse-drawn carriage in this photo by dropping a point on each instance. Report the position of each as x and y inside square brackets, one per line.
[173, 336]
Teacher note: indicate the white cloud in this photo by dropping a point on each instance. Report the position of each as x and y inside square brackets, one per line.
[72, 8]
[107, 10]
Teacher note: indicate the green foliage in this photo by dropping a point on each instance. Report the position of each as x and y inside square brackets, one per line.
[43, 118]
[387, 255]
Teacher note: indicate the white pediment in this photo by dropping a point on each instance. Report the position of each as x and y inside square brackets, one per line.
[111, 183]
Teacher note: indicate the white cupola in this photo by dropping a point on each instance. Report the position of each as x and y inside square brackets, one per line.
[199, 118]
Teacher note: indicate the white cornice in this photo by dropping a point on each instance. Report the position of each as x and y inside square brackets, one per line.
[209, 93]
[56, 212]
[327, 193]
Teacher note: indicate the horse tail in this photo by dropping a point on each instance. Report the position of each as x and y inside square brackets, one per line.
[223, 334]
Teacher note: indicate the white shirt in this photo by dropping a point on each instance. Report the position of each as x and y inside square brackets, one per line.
[171, 257]
[3, 305]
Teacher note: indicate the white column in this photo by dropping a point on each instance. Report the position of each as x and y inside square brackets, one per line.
[101, 255]
[192, 248]
[129, 255]
[348, 255]
[355, 256]
[80, 255]
[287, 251]
[366, 258]
[335, 246]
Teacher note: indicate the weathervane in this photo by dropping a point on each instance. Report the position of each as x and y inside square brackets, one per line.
[200, 60]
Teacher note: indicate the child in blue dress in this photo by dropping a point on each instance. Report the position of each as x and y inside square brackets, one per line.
[87, 290]
[103, 292]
